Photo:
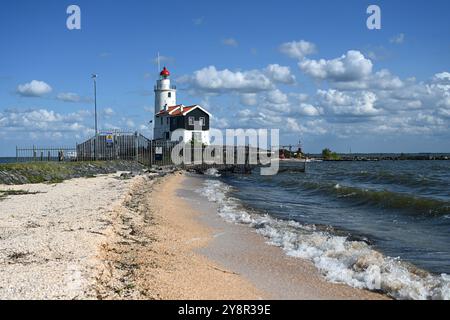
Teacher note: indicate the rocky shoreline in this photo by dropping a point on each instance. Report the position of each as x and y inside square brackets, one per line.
[56, 172]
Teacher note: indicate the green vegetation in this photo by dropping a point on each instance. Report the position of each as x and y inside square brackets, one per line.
[39, 172]
[57, 172]
[5, 193]
[16, 192]
[327, 154]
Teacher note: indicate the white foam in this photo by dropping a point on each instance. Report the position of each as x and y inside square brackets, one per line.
[341, 261]
[213, 172]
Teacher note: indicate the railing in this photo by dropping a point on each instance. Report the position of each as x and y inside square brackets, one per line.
[45, 154]
[135, 147]
[103, 147]
[148, 152]
[171, 87]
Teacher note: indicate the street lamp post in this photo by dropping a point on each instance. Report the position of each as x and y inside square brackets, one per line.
[94, 77]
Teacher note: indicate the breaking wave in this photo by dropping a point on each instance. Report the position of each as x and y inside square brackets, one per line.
[380, 198]
[339, 258]
[212, 172]
[405, 179]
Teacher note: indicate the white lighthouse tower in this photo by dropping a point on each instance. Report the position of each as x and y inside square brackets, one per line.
[165, 93]
[165, 97]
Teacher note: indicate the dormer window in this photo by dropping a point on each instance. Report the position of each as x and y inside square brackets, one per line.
[202, 121]
[191, 121]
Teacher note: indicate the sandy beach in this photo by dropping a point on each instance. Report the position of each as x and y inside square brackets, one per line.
[148, 237]
[49, 241]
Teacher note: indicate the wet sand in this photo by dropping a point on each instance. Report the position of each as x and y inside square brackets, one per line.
[241, 250]
[163, 258]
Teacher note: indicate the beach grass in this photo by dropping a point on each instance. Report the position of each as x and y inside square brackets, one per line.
[6, 193]
[57, 172]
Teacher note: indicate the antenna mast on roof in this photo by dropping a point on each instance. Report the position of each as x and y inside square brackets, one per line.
[159, 64]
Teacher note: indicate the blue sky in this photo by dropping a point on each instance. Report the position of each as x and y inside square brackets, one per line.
[309, 68]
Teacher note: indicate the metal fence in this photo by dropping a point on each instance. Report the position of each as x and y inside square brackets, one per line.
[45, 154]
[126, 146]
[117, 146]
[132, 146]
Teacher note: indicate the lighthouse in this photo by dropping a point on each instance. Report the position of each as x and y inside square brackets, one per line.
[191, 123]
[165, 93]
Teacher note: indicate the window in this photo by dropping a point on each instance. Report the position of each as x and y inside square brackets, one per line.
[191, 121]
[169, 94]
[202, 121]
[167, 121]
[161, 121]
[197, 137]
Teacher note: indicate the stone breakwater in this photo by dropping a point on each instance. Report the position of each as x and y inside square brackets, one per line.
[48, 172]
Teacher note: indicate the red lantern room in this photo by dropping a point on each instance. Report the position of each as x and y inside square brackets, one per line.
[165, 73]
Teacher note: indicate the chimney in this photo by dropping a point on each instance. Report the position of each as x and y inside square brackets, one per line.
[166, 107]
[182, 108]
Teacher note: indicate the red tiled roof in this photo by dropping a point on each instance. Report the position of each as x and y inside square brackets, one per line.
[169, 109]
[175, 111]
[179, 113]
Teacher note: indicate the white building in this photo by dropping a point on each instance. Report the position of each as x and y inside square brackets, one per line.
[190, 122]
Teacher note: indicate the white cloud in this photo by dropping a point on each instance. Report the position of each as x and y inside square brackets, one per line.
[445, 113]
[249, 99]
[198, 21]
[244, 113]
[277, 97]
[300, 97]
[298, 49]
[398, 39]
[280, 74]
[293, 125]
[220, 123]
[34, 88]
[43, 121]
[415, 104]
[213, 81]
[296, 126]
[231, 42]
[442, 77]
[72, 97]
[108, 112]
[210, 79]
[376, 53]
[440, 82]
[444, 102]
[130, 123]
[381, 80]
[352, 66]
[384, 80]
[355, 99]
[309, 110]
[348, 104]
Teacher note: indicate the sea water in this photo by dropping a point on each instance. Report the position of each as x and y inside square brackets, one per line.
[381, 226]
